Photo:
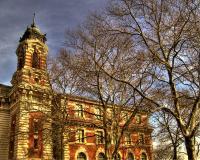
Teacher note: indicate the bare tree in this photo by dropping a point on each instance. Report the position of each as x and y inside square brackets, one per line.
[167, 136]
[94, 52]
[162, 35]
[62, 82]
[161, 66]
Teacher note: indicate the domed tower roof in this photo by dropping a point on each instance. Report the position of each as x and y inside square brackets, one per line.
[33, 32]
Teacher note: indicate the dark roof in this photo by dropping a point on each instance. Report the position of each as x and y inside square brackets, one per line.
[33, 32]
[4, 90]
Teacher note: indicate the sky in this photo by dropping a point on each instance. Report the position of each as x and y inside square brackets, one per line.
[53, 17]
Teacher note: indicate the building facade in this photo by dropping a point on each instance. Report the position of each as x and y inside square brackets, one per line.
[27, 108]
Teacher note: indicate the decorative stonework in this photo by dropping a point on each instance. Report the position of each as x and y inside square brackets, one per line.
[31, 96]
[30, 93]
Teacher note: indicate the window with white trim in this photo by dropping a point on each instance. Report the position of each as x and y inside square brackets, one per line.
[79, 110]
[138, 119]
[99, 137]
[99, 114]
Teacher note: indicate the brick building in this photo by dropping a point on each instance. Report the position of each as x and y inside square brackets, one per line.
[24, 104]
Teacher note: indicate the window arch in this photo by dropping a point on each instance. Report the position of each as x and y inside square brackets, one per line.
[130, 156]
[143, 156]
[21, 62]
[35, 60]
[101, 156]
[81, 156]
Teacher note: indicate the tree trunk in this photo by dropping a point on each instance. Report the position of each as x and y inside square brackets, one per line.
[106, 144]
[189, 144]
[62, 147]
[175, 153]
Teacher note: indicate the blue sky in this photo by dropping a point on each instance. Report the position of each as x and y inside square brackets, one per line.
[53, 17]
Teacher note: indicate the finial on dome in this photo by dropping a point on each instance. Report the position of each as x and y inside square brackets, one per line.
[33, 24]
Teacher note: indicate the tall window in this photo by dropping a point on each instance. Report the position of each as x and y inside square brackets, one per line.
[80, 135]
[79, 110]
[143, 156]
[12, 137]
[101, 156]
[81, 156]
[35, 60]
[99, 137]
[36, 134]
[21, 62]
[128, 138]
[141, 138]
[99, 114]
[21, 57]
[130, 156]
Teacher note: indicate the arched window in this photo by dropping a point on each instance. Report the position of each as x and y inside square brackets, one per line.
[81, 156]
[35, 60]
[21, 62]
[101, 156]
[130, 156]
[143, 156]
[21, 58]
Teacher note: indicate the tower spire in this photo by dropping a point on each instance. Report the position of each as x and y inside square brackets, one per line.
[33, 24]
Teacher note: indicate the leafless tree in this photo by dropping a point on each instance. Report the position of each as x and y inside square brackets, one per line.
[162, 35]
[161, 65]
[167, 135]
[94, 52]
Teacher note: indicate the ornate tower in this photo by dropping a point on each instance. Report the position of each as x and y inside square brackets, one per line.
[31, 99]
[31, 53]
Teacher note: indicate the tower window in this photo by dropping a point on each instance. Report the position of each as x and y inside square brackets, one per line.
[21, 62]
[21, 58]
[12, 137]
[35, 60]
[35, 135]
[36, 145]
[36, 126]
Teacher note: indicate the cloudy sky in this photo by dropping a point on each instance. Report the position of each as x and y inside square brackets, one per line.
[53, 17]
